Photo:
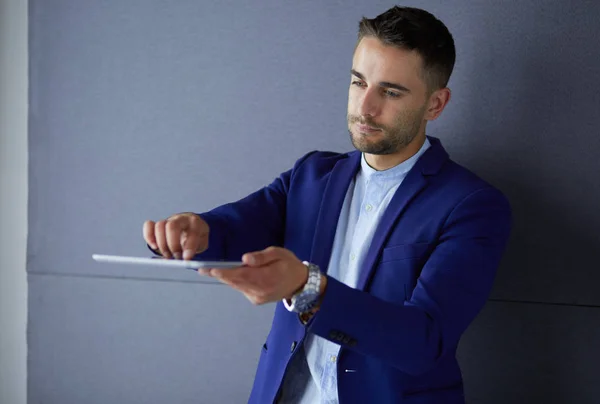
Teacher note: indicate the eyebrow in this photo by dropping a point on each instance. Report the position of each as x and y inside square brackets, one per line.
[386, 84]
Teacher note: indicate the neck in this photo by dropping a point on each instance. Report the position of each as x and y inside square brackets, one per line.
[381, 162]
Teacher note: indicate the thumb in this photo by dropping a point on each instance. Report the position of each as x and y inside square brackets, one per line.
[260, 258]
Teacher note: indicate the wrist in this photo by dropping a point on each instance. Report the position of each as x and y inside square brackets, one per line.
[301, 286]
[323, 287]
[309, 295]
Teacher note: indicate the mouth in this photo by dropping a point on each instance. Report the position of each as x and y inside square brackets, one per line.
[366, 128]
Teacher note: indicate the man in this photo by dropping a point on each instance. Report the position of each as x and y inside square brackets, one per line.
[379, 258]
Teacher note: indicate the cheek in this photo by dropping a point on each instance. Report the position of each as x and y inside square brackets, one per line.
[400, 111]
[352, 102]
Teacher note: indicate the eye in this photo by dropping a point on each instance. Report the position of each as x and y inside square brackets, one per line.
[358, 83]
[392, 94]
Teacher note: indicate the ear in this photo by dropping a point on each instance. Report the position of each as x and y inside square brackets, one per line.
[437, 102]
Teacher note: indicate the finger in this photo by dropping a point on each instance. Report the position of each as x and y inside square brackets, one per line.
[161, 238]
[204, 271]
[242, 280]
[238, 279]
[264, 257]
[219, 274]
[236, 275]
[228, 277]
[174, 229]
[195, 239]
[148, 232]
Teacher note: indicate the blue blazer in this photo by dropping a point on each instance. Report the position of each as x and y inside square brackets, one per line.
[427, 274]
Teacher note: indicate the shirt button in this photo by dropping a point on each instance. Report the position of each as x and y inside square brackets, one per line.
[369, 207]
[352, 257]
[333, 358]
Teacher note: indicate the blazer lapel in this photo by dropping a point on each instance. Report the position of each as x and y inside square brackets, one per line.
[416, 180]
[331, 205]
[410, 187]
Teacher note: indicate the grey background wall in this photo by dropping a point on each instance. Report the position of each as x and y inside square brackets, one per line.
[13, 201]
[139, 109]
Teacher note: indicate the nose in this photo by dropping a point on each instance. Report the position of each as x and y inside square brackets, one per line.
[369, 104]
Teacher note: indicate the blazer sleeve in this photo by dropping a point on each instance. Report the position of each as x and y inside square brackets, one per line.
[452, 288]
[252, 223]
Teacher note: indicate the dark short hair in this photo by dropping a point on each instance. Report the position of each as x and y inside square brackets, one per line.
[415, 29]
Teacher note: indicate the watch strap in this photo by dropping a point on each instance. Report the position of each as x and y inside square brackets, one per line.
[304, 300]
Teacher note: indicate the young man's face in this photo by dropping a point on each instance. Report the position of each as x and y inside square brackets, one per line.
[388, 98]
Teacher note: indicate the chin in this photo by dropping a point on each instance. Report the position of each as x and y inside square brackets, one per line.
[370, 147]
[371, 144]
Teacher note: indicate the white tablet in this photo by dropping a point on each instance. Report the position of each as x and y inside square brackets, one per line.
[173, 263]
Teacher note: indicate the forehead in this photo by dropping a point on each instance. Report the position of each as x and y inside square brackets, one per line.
[379, 62]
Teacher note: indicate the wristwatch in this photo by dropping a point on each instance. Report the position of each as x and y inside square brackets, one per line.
[307, 298]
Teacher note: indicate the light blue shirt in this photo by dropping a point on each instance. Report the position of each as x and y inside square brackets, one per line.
[312, 376]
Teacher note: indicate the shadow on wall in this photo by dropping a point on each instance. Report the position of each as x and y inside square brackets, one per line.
[517, 353]
[534, 136]
[541, 149]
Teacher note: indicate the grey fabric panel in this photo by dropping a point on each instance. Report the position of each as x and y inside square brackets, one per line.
[530, 353]
[124, 341]
[143, 109]
[139, 109]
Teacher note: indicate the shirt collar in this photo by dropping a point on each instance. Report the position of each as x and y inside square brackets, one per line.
[396, 172]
